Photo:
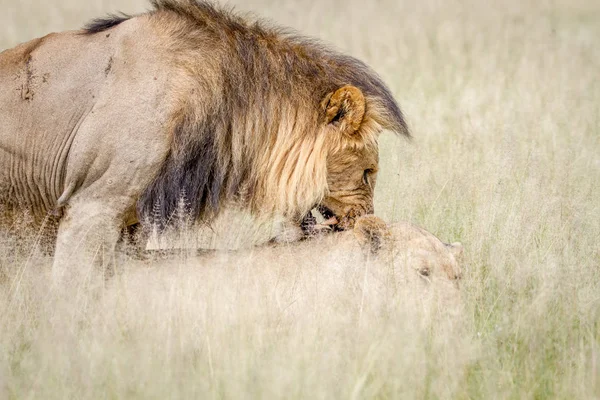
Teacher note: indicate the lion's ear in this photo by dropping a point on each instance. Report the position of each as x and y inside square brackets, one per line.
[345, 108]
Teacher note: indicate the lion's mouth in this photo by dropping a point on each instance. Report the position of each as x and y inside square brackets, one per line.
[319, 220]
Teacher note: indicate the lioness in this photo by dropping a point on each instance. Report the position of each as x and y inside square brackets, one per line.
[185, 107]
[407, 251]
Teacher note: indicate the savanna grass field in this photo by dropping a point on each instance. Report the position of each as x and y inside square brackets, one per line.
[503, 100]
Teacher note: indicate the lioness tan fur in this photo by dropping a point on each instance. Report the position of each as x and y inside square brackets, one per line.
[401, 251]
[374, 260]
[186, 106]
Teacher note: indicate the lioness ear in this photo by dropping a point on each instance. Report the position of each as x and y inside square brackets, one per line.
[456, 249]
[345, 108]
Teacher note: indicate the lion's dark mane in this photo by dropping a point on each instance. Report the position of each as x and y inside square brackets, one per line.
[100, 25]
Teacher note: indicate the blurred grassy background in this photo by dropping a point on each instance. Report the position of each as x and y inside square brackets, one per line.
[504, 102]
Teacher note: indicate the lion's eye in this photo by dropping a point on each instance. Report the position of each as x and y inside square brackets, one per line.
[366, 176]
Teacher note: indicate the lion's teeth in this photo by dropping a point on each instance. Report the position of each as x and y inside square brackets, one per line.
[330, 221]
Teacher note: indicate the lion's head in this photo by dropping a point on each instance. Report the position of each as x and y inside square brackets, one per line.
[352, 164]
[351, 125]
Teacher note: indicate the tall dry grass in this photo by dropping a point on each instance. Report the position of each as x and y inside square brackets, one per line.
[504, 103]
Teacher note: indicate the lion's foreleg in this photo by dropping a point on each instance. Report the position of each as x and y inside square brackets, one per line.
[133, 241]
[86, 241]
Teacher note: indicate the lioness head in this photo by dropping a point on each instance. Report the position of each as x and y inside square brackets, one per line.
[410, 245]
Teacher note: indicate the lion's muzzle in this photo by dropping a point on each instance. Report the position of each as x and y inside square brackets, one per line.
[350, 216]
[332, 221]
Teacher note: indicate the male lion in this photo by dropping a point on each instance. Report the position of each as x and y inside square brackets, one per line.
[117, 123]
